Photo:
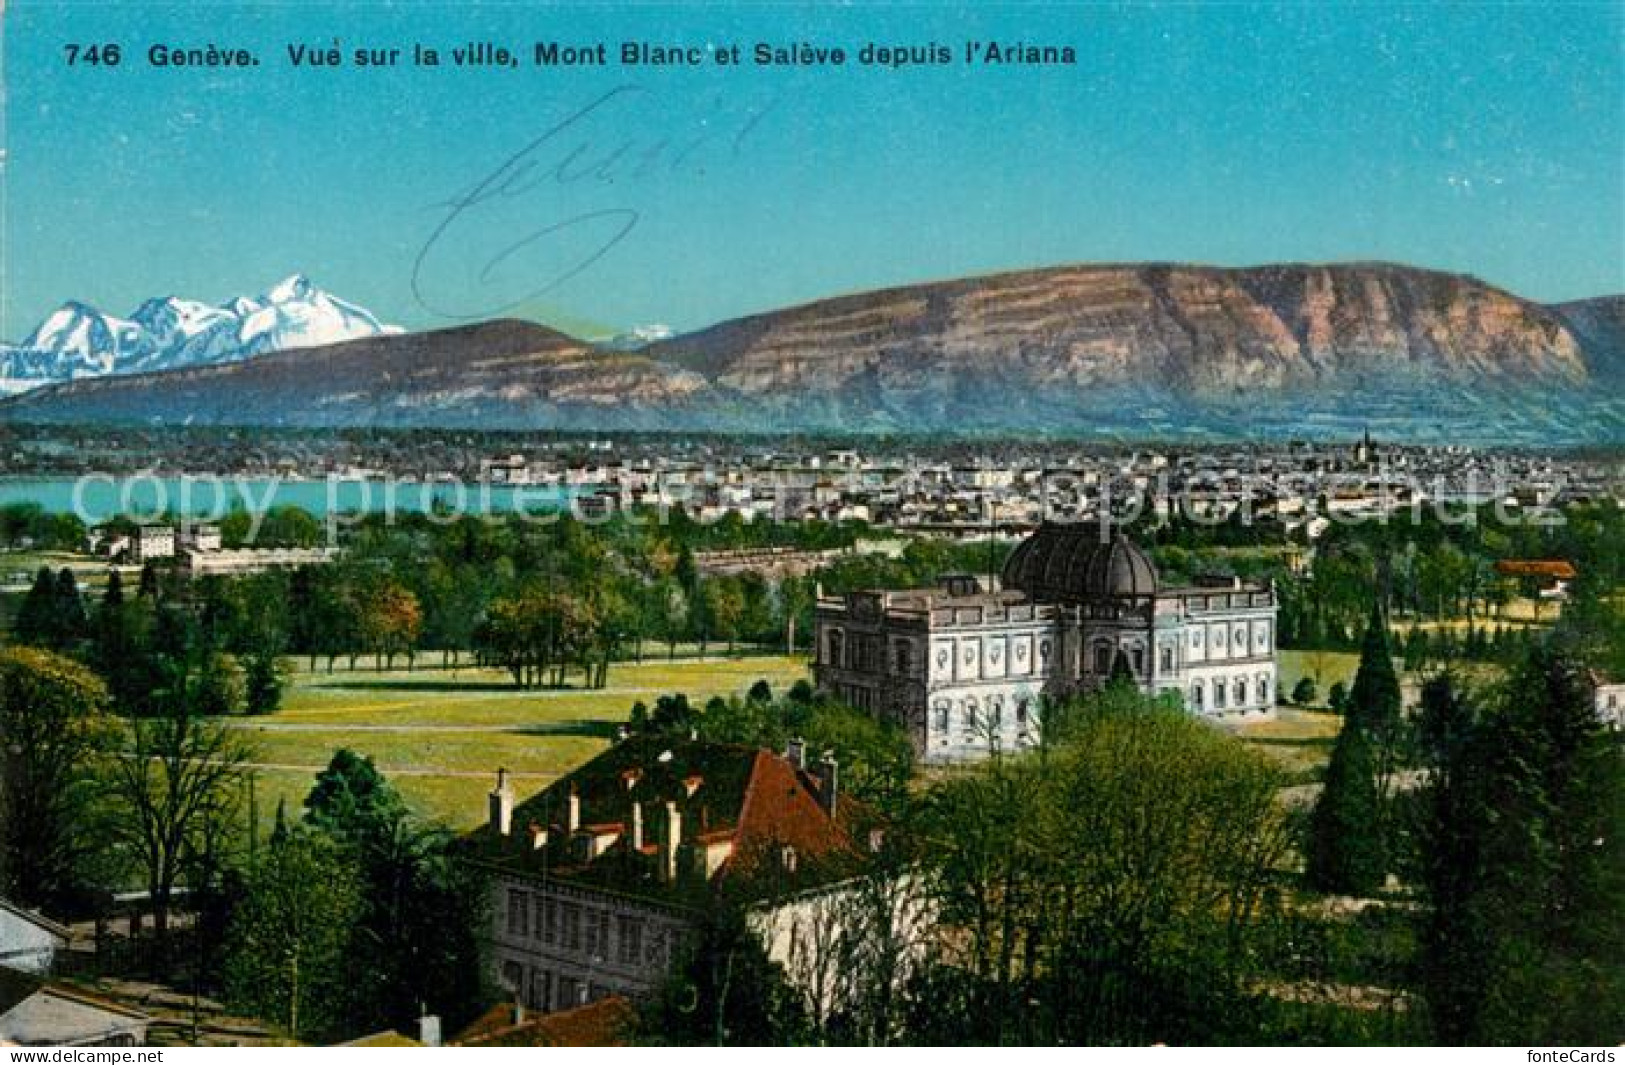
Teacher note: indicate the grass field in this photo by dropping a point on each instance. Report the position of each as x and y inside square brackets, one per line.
[440, 736]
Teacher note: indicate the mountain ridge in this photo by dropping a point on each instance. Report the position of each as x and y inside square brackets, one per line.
[77, 340]
[1080, 348]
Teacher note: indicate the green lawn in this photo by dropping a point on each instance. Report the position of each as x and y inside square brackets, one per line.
[440, 735]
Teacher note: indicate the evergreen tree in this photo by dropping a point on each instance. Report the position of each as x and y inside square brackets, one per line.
[1524, 866]
[72, 624]
[1374, 703]
[1344, 851]
[36, 623]
[262, 677]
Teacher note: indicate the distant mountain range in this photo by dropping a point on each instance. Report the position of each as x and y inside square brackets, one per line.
[1152, 350]
[77, 341]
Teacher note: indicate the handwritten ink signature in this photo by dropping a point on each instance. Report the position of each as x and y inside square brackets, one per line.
[477, 234]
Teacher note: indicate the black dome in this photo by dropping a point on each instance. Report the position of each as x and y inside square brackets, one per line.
[1073, 563]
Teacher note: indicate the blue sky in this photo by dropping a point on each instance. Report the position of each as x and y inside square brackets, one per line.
[1487, 139]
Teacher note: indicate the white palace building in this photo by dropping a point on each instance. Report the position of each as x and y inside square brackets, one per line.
[962, 666]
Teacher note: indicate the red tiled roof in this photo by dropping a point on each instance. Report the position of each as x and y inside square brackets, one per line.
[1556, 568]
[605, 1023]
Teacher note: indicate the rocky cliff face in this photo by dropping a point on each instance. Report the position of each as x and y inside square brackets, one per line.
[1191, 330]
[1152, 349]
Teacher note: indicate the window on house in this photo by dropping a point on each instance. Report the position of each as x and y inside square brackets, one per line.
[550, 921]
[569, 992]
[1021, 712]
[1103, 659]
[571, 917]
[513, 976]
[629, 940]
[1241, 693]
[1138, 654]
[1196, 696]
[942, 709]
[972, 714]
[995, 711]
[1167, 659]
[595, 945]
[518, 913]
[1218, 694]
[905, 658]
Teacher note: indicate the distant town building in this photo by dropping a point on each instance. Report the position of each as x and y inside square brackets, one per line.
[199, 537]
[1610, 702]
[1551, 576]
[133, 544]
[599, 879]
[962, 667]
[199, 563]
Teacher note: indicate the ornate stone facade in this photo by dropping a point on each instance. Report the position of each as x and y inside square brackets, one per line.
[962, 667]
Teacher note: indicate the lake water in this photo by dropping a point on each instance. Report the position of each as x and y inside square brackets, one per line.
[98, 498]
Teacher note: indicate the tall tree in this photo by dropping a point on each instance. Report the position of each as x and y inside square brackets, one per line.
[1374, 701]
[179, 783]
[1344, 851]
[37, 624]
[53, 725]
[291, 936]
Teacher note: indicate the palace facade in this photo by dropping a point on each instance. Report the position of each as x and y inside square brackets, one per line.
[963, 667]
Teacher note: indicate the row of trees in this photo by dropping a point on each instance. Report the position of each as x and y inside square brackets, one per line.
[1513, 839]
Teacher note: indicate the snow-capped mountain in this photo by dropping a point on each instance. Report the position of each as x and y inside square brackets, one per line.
[168, 333]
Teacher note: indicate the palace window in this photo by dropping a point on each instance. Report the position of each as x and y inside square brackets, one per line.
[942, 709]
[1021, 713]
[542, 906]
[1241, 693]
[972, 714]
[1138, 655]
[550, 921]
[513, 976]
[995, 711]
[1167, 659]
[629, 940]
[1103, 659]
[1264, 688]
[836, 648]
[1196, 696]
[1218, 694]
[518, 913]
[571, 916]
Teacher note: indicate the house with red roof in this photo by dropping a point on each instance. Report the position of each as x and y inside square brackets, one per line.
[598, 880]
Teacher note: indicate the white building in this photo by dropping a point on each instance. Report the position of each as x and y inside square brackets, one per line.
[963, 667]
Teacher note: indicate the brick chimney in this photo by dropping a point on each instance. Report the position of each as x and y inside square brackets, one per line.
[795, 752]
[828, 782]
[573, 810]
[637, 827]
[502, 804]
[670, 840]
[538, 836]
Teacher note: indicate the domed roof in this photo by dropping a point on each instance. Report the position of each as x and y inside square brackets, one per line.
[1070, 563]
